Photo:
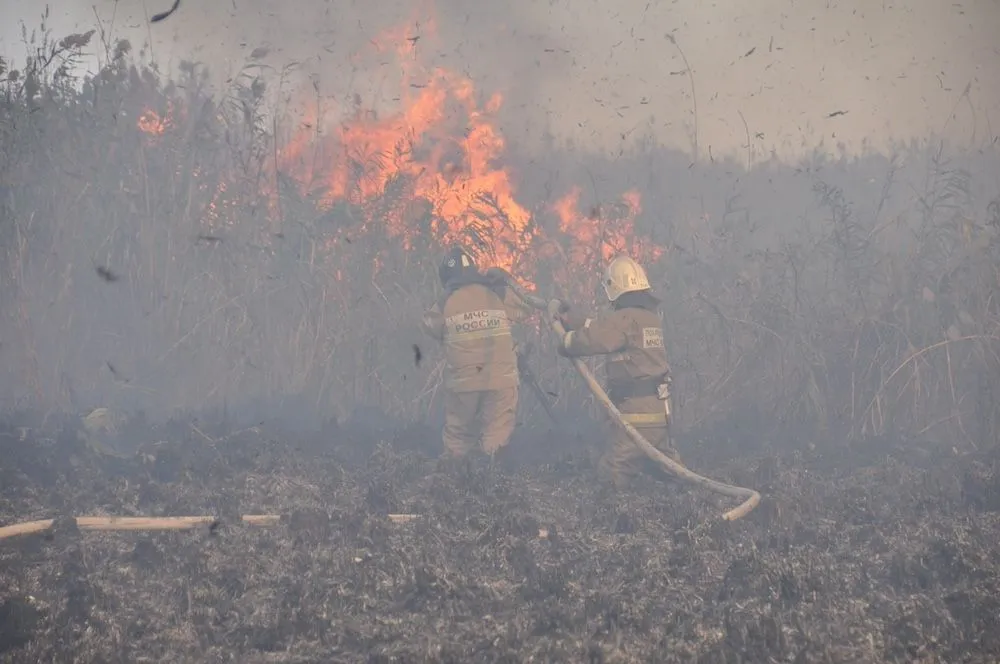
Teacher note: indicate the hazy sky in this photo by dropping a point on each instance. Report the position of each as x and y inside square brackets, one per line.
[603, 73]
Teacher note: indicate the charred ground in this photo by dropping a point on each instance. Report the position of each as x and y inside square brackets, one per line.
[881, 554]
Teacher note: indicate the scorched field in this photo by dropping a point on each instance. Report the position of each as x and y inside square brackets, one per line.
[885, 553]
[209, 235]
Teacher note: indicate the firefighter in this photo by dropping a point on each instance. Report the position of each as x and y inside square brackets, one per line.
[637, 371]
[474, 320]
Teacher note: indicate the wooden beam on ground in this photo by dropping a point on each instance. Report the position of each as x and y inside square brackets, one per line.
[25, 528]
[109, 523]
[262, 519]
[142, 523]
[402, 518]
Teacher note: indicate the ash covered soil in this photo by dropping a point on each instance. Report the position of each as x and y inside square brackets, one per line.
[884, 552]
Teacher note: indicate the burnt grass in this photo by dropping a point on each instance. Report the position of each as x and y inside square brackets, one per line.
[881, 552]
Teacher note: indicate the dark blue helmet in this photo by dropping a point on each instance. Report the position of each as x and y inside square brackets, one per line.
[457, 264]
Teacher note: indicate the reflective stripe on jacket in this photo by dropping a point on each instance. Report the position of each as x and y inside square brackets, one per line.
[475, 326]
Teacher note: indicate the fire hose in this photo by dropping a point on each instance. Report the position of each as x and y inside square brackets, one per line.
[750, 497]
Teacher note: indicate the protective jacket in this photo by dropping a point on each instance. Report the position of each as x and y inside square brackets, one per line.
[637, 369]
[474, 322]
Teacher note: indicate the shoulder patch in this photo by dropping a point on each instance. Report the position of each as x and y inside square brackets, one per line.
[652, 337]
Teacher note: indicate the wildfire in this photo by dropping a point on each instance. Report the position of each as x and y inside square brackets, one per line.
[602, 234]
[440, 148]
[591, 240]
[434, 166]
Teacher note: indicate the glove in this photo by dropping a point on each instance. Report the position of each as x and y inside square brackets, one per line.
[571, 318]
[432, 322]
[498, 274]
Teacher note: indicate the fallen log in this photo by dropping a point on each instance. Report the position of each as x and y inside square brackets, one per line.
[750, 497]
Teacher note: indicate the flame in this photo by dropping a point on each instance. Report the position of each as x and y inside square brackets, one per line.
[437, 155]
[604, 233]
[152, 123]
[432, 167]
[437, 161]
[596, 237]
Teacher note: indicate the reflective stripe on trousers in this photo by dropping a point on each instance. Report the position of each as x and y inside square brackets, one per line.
[645, 419]
[455, 337]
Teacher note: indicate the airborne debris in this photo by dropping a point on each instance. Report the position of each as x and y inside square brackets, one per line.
[105, 273]
[76, 40]
[114, 372]
[163, 15]
[417, 355]
[836, 113]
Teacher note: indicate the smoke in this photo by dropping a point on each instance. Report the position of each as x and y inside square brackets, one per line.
[772, 77]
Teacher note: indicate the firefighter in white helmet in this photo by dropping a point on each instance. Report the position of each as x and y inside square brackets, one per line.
[637, 371]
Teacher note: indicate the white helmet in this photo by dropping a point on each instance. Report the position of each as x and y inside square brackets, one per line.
[624, 275]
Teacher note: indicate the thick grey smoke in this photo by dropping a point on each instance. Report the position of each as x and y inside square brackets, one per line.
[786, 74]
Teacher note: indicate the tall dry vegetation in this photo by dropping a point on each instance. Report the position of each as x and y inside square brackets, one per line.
[839, 297]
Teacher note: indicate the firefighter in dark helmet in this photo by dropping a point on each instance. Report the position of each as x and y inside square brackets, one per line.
[474, 321]
[637, 371]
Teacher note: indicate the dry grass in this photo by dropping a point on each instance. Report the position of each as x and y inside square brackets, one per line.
[846, 298]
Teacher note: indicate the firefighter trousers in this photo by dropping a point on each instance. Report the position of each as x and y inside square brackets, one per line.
[623, 460]
[485, 418]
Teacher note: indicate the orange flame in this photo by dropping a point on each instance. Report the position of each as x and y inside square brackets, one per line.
[433, 168]
[150, 122]
[441, 148]
[597, 237]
